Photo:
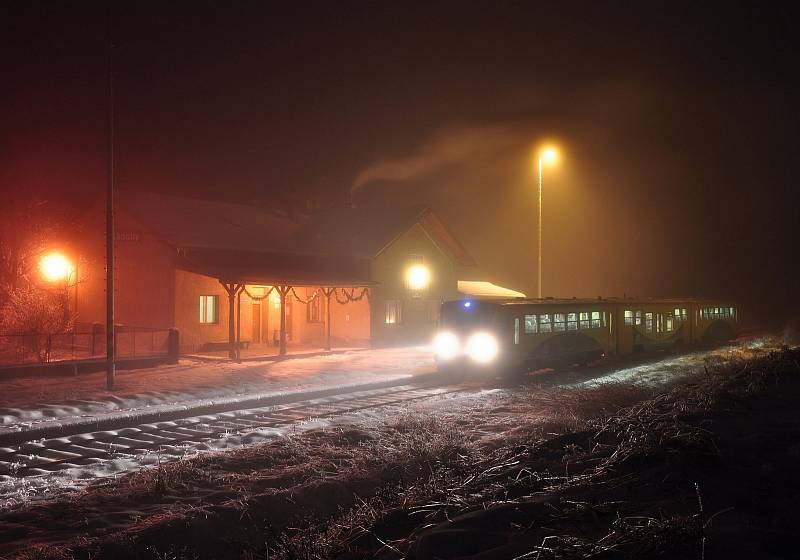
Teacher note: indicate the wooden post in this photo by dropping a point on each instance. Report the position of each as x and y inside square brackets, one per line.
[230, 289]
[239, 289]
[283, 291]
[328, 292]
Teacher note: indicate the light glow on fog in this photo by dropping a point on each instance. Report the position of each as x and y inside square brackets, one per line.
[483, 347]
[446, 345]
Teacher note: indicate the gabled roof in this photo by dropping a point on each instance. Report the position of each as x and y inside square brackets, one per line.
[366, 232]
[244, 243]
[193, 223]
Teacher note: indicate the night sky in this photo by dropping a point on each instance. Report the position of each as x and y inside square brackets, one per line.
[678, 125]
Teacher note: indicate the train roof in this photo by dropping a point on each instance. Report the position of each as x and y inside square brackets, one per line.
[598, 300]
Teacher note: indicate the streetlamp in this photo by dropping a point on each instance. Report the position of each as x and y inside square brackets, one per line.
[548, 155]
[56, 268]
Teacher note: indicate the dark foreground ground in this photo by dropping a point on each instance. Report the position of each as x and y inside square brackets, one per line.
[706, 468]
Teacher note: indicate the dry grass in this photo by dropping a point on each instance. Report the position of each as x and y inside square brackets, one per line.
[381, 490]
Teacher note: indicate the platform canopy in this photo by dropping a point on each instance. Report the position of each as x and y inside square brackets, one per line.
[477, 288]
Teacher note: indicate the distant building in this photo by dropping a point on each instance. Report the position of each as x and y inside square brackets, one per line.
[206, 268]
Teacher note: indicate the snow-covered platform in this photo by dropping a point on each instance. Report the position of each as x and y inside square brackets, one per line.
[35, 405]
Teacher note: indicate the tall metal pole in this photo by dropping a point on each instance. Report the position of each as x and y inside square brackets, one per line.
[110, 367]
[540, 229]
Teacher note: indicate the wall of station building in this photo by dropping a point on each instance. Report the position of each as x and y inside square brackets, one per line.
[144, 294]
[259, 319]
[400, 315]
[151, 292]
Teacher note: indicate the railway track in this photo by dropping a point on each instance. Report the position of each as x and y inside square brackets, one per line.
[177, 437]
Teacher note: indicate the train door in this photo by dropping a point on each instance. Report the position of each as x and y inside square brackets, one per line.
[624, 325]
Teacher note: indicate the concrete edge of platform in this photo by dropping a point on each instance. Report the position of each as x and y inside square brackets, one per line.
[270, 357]
[166, 413]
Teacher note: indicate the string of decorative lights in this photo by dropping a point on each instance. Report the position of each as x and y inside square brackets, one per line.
[345, 299]
[351, 296]
[309, 300]
[261, 297]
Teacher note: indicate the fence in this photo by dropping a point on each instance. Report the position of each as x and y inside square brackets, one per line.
[45, 348]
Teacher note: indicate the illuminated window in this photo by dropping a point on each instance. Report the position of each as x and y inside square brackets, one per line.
[670, 327]
[516, 330]
[544, 323]
[648, 322]
[629, 316]
[638, 316]
[659, 322]
[595, 319]
[716, 312]
[572, 321]
[531, 326]
[677, 314]
[394, 311]
[684, 316]
[584, 319]
[314, 310]
[559, 322]
[208, 309]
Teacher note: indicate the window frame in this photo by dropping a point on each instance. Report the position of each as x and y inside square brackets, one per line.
[572, 321]
[311, 306]
[397, 308]
[204, 308]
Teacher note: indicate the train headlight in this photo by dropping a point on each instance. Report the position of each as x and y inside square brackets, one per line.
[482, 347]
[446, 345]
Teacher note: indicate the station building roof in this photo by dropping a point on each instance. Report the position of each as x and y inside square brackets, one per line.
[240, 243]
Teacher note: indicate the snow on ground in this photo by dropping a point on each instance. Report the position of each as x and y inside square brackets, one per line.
[676, 366]
[18, 491]
[34, 401]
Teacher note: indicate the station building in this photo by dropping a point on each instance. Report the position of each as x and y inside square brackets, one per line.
[230, 276]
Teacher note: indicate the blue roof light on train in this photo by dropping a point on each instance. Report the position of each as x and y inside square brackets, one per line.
[467, 304]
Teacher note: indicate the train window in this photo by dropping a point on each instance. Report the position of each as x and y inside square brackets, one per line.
[648, 322]
[559, 322]
[596, 319]
[572, 321]
[659, 322]
[629, 316]
[584, 320]
[531, 327]
[544, 323]
[677, 314]
[669, 322]
[638, 316]
[716, 312]
[684, 316]
[516, 330]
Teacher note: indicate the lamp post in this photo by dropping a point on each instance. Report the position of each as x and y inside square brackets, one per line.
[548, 155]
[57, 268]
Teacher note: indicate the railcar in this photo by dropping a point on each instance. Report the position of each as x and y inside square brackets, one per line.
[516, 334]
